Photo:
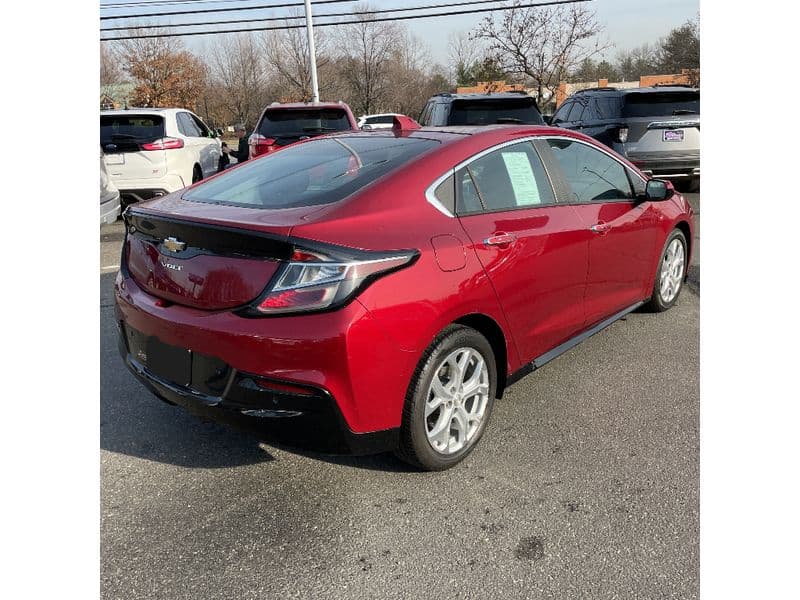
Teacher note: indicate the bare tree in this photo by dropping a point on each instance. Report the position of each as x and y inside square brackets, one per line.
[633, 63]
[110, 70]
[288, 57]
[463, 54]
[238, 71]
[411, 78]
[366, 48]
[544, 44]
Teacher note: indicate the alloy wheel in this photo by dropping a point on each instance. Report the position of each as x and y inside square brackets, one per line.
[456, 402]
[672, 269]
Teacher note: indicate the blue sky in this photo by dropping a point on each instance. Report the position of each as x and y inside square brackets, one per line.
[628, 23]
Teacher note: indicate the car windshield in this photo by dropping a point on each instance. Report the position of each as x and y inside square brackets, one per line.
[499, 110]
[661, 104]
[285, 122]
[121, 128]
[320, 171]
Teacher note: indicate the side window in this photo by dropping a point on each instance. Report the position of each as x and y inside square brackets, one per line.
[467, 198]
[608, 108]
[511, 177]
[439, 115]
[576, 114]
[186, 126]
[445, 193]
[562, 113]
[424, 118]
[638, 184]
[591, 113]
[201, 127]
[591, 174]
[385, 119]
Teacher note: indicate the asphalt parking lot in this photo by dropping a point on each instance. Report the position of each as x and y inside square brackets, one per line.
[585, 485]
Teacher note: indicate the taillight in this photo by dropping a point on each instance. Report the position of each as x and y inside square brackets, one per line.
[312, 280]
[260, 145]
[622, 135]
[166, 143]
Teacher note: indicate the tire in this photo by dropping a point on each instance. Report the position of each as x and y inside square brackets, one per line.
[665, 296]
[460, 420]
[197, 174]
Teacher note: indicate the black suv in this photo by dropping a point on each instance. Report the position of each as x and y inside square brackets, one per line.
[510, 108]
[656, 128]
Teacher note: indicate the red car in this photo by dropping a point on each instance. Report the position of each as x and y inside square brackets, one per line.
[284, 124]
[376, 291]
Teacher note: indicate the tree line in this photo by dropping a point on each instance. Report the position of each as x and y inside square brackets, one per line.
[380, 66]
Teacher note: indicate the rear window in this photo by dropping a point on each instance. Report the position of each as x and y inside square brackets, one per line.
[320, 171]
[661, 104]
[116, 129]
[298, 122]
[499, 110]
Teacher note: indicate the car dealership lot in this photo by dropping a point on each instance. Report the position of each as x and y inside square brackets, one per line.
[585, 485]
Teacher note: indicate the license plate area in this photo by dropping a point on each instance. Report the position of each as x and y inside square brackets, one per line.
[673, 135]
[170, 363]
[115, 159]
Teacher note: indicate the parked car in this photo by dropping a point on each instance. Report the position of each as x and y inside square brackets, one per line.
[514, 108]
[109, 196]
[284, 124]
[151, 152]
[375, 291]
[381, 121]
[656, 128]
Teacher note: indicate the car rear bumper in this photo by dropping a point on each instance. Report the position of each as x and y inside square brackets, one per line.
[139, 190]
[110, 209]
[328, 382]
[667, 167]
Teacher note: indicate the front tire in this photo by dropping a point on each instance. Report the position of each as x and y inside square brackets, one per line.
[449, 400]
[670, 273]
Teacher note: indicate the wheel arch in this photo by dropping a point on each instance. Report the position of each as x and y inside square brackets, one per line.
[491, 330]
[684, 228]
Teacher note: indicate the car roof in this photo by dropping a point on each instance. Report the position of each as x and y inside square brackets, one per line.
[446, 135]
[141, 111]
[484, 96]
[660, 88]
[306, 105]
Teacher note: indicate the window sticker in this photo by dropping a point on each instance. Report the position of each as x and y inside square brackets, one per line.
[522, 179]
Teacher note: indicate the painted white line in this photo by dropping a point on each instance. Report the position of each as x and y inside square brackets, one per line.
[110, 268]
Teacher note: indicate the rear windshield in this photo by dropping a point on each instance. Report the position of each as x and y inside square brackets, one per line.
[661, 104]
[499, 110]
[298, 122]
[320, 171]
[116, 129]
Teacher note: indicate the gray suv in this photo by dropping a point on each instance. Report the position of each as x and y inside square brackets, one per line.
[509, 108]
[656, 128]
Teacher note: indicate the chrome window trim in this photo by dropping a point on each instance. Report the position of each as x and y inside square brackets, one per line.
[431, 197]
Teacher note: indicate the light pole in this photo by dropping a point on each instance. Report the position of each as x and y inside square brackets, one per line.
[312, 53]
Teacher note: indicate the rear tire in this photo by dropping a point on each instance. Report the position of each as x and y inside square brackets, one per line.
[197, 174]
[670, 273]
[443, 420]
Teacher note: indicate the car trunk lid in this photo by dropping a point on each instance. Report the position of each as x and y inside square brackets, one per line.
[124, 138]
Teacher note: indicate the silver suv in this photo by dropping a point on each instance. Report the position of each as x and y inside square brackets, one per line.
[656, 128]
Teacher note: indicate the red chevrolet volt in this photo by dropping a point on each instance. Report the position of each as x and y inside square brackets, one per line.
[372, 291]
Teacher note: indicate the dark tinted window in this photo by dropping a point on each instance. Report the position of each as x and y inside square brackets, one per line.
[424, 118]
[511, 177]
[661, 104]
[591, 112]
[638, 183]
[201, 127]
[290, 122]
[439, 114]
[563, 112]
[577, 111]
[468, 200]
[118, 129]
[608, 108]
[491, 111]
[317, 172]
[591, 174]
[382, 120]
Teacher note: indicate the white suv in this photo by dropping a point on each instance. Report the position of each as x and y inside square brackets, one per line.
[151, 152]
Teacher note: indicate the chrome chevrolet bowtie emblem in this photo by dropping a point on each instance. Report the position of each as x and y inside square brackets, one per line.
[174, 245]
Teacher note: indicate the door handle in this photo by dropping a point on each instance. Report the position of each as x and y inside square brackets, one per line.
[500, 239]
[601, 228]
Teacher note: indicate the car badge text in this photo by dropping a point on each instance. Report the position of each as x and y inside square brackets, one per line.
[170, 265]
[174, 245]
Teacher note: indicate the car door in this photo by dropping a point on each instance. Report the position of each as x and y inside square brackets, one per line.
[209, 147]
[623, 229]
[533, 250]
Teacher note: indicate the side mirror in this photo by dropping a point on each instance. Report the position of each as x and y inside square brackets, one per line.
[658, 189]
